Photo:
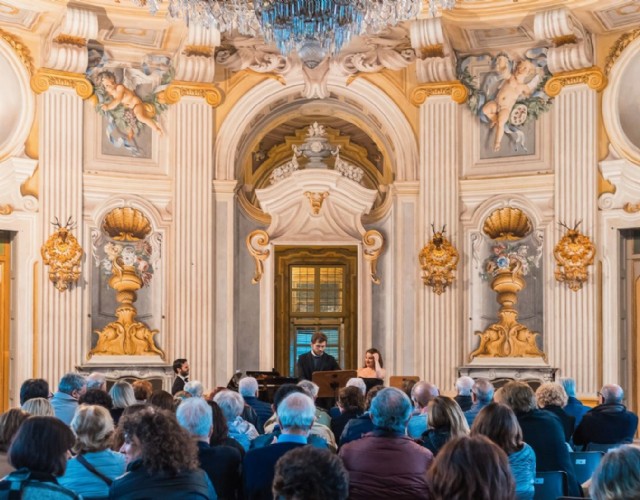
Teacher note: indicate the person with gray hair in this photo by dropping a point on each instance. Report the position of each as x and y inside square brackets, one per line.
[421, 393]
[295, 415]
[482, 395]
[122, 396]
[574, 406]
[232, 405]
[618, 475]
[249, 390]
[464, 386]
[65, 401]
[221, 463]
[194, 388]
[608, 423]
[311, 388]
[97, 380]
[387, 462]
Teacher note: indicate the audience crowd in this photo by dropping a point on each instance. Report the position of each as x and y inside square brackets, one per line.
[123, 440]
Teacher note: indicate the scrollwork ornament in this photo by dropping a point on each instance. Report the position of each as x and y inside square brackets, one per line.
[257, 242]
[455, 89]
[573, 253]
[438, 260]
[63, 254]
[593, 77]
[45, 77]
[209, 92]
[373, 245]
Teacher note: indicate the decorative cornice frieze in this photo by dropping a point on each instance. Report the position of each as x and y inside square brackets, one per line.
[593, 77]
[46, 77]
[177, 89]
[455, 89]
[618, 47]
[21, 50]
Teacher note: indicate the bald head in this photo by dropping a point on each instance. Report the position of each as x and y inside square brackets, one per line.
[423, 392]
[612, 394]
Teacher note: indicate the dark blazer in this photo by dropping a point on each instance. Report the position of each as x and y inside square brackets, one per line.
[356, 428]
[543, 431]
[576, 409]
[263, 411]
[258, 469]
[305, 365]
[339, 422]
[178, 385]
[222, 465]
[606, 424]
[464, 402]
[568, 422]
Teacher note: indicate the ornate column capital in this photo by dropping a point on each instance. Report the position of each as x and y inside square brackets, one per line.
[593, 77]
[208, 91]
[455, 89]
[46, 77]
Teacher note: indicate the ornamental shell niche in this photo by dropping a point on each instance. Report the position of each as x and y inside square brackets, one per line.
[507, 223]
[126, 224]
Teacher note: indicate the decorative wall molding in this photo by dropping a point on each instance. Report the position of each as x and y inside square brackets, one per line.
[618, 48]
[67, 49]
[21, 50]
[47, 77]
[455, 89]
[258, 246]
[435, 59]
[593, 77]
[207, 91]
[373, 245]
[13, 173]
[195, 60]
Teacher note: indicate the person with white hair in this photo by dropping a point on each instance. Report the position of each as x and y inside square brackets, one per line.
[295, 416]
[122, 396]
[249, 389]
[97, 380]
[618, 475]
[194, 388]
[464, 385]
[608, 423]
[359, 383]
[232, 405]
[322, 416]
[221, 463]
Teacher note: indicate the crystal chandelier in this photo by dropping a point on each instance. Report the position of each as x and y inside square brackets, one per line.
[312, 28]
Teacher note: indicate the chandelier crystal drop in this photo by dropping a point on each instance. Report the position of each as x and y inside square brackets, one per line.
[312, 28]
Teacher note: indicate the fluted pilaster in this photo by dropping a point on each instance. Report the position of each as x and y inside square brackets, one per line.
[441, 349]
[192, 256]
[573, 342]
[61, 138]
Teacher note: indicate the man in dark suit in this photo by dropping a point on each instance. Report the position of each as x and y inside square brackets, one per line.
[609, 422]
[316, 360]
[181, 369]
[295, 415]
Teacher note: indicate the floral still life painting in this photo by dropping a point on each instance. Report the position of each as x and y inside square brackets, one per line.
[138, 254]
[514, 257]
[509, 96]
[128, 98]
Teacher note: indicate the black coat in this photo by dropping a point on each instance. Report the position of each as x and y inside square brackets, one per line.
[568, 422]
[258, 469]
[305, 365]
[178, 385]
[222, 465]
[606, 424]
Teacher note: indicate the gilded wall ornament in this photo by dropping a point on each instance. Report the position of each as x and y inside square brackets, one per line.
[45, 78]
[373, 242]
[617, 49]
[593, 77]
[21, 50]
[207, 91]
[6, 209]
[62, 253]
[315, 200]
[438, 259]
[573, 253]
[507, 223]
[257, 243]
[126, 224]
[455, 89]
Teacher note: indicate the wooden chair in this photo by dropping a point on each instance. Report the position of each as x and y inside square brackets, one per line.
[550, 485]
[585, 463]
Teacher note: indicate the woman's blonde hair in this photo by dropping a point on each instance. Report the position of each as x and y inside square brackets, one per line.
[444, 412]
[39, 407]
[93, 427]
[551, 393]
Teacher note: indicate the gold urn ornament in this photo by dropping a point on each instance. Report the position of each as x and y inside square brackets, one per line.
[63, 254]
[573, 253]
[438, 260]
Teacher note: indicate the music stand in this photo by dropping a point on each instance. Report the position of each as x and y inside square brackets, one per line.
[331, 382]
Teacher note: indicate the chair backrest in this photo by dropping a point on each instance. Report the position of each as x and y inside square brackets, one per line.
[602, 447]
[397, 380]
[550, 485]
[559, 498]
[584, 463]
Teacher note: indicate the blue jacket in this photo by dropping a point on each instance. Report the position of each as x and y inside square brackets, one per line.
[64, 405]
[84, 482]
[576, 409]
[523, 468]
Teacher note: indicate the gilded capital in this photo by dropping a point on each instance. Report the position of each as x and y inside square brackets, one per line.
[46, 77]
[593, 77]
[208, 91]
[21, 50]
[455, 89]
[618, 48]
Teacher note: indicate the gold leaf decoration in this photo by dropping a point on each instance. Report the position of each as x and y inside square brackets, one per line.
[126, 224]
[63, 254]
[507, 223]
[573, 253]
[438, 259]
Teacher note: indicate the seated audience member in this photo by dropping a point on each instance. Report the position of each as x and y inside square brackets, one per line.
[446, 421]
[542, 431]
[221, 463]
[360, 426]
[96, 397]
[373, 365]
[122, 396]
[97, 380]
[311, 388]
[551, 397]
[118, 435]
[162, 400]
[34, 388]
[295, 415]
[194, 388]
[65, 400]
[93, 469]
[618, 475]
[352, 382]
[471, 468]
[482, 395]
[407, 387]
[464, 385]
[232, 405]
[351, 404]
[386, 462]
[248, 388]
[162, 459]
[38, 407]
[421, 394]
[179, 397]
[272, 437]
[39, 454]
[500, 425]
[220, 431]
[608, 423]
[311, 474]
[142, 390]
[574, 406]
[10, 422]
